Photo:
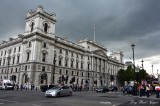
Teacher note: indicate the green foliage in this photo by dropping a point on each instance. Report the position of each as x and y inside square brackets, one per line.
[121, 76]
[130, 75]
[142, 75]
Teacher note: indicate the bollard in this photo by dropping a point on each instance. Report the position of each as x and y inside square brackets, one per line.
[157, 93]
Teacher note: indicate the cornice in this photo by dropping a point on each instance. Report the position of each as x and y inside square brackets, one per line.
[11, 43]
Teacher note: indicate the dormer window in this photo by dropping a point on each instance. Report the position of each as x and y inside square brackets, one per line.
[45, 27]
[32, 26]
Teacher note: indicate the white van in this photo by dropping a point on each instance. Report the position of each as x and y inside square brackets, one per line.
[6, 84]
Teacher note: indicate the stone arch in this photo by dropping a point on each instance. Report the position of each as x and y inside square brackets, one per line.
[25, 78]
[43, 78]
[13, 78]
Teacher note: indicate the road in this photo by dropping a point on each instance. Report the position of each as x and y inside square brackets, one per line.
[37, 98]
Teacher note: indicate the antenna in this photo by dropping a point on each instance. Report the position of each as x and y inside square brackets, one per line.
[94, 34]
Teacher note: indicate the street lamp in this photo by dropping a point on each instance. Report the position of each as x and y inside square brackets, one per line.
[54, 63]
[133, 58]
[152, 71]
[142, 63]
[8, 58]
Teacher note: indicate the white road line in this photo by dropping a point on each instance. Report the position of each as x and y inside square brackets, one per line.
[1, 103]
[106, 102]
[36, 105]
[8, 101]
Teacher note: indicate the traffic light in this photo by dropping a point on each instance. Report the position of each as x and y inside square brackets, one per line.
[112, 77]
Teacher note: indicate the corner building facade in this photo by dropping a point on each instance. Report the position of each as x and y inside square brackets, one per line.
[40, 57]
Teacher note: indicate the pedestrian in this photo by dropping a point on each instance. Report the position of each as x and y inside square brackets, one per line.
[21, 87]
[17, 87]
[147, 91]
[140, 90]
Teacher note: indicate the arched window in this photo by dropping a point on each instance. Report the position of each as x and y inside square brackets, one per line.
[45, 27]
[32, 26]
[43, 79]
[28, 54]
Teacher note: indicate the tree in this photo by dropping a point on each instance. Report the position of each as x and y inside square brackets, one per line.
[130, 74]
[121, 76]
[142, 75]
[125, 75]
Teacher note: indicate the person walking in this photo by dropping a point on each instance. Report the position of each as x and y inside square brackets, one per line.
[147, 91]
[140, 90]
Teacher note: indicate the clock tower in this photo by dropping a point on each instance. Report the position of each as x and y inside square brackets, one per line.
[40, 21]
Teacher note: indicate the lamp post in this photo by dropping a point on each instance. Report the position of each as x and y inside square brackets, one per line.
[8, 58]
[54, 63]
[152, 72]
[133, 59]
[142, 63]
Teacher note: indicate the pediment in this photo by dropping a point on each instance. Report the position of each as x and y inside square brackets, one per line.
[100, 52]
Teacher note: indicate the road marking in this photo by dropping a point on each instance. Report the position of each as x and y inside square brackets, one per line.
[105, 102]
[36, 105]
[8, 101]
[1, 103]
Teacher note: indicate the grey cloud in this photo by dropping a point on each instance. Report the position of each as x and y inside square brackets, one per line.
[119, 23]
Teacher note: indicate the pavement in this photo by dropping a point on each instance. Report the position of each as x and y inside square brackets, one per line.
[150, 97]
[153, 96]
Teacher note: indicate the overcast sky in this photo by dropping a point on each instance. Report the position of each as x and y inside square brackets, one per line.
[118, 23]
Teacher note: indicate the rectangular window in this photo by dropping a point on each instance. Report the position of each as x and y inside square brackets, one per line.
[66, 52]
[81, 56]
[43, 68]
[81, 65]
[19, 49]
[0, 62]
[1, 53]
[60, 51]
[13, 60]
[71, 64]
[88, 66]
[43, 57]
[16, 70]
[29, 44]
[26, 68]
[72, 54]
[14, 50]
[66, 62]
[27, 56]
[18, 59]
[72, 72]
[60, 61]
[4, 62]
[76, 64]
[66, 72]
[77, 73]
[10, 51]
[44, 45]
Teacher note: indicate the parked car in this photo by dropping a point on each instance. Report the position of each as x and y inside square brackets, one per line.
[102, 89]
[59, 91]
[113, 88]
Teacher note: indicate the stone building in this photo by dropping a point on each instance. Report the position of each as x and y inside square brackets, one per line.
[40, 57]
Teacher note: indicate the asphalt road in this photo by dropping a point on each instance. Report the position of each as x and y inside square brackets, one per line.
[37, 98]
